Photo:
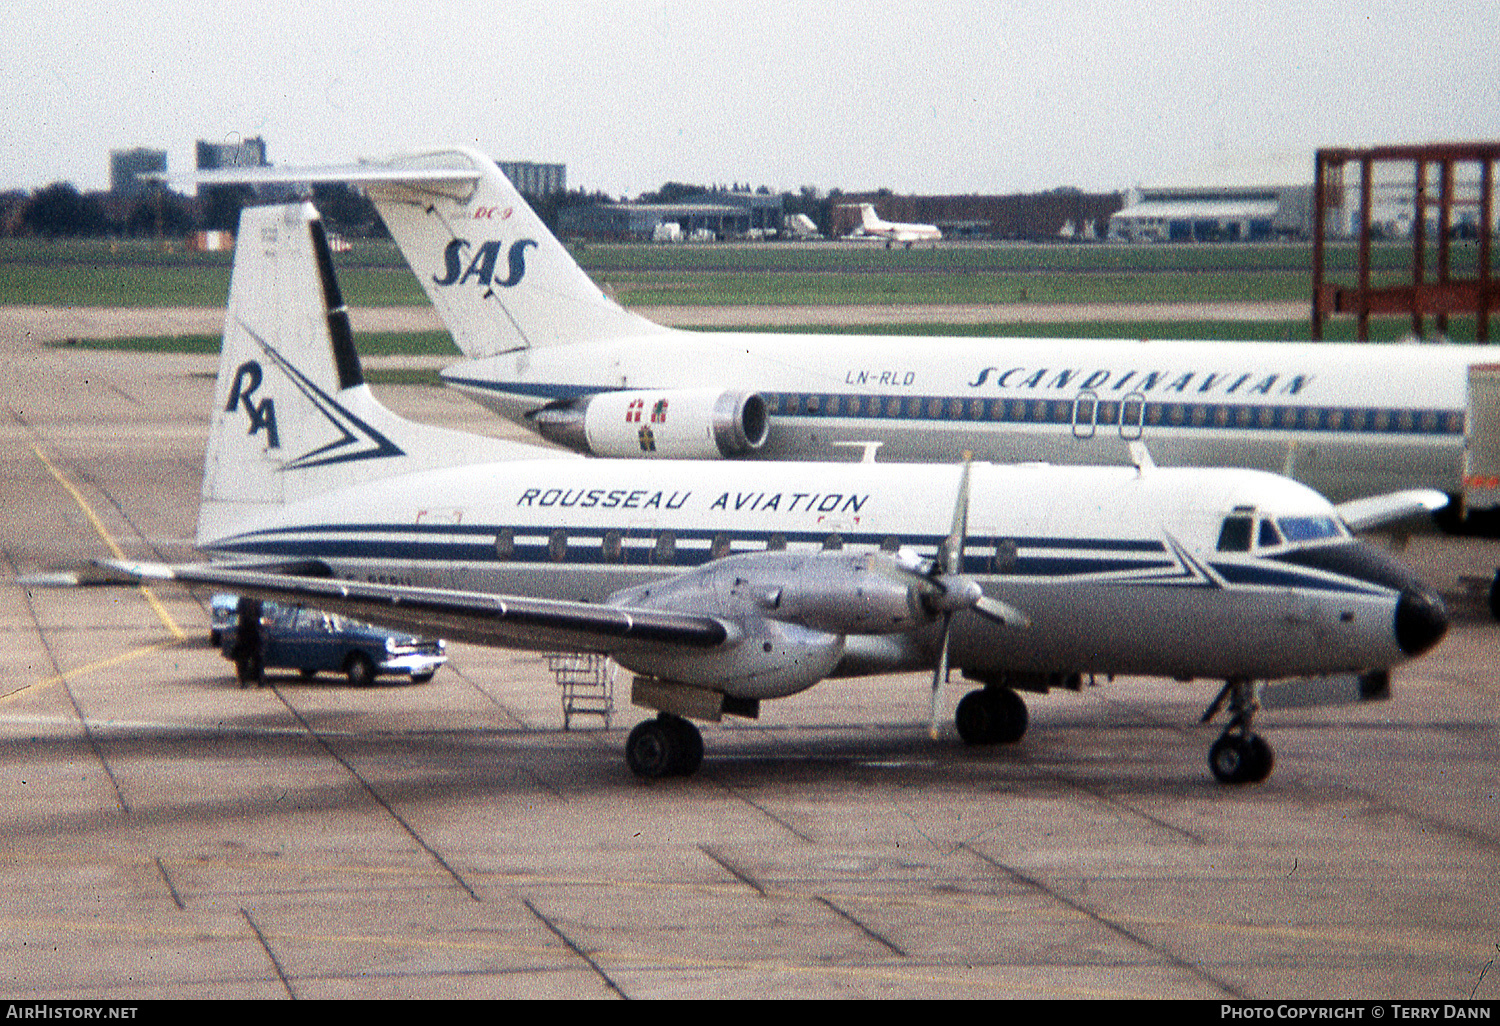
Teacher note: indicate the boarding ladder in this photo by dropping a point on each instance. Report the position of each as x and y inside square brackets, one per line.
[587, 683]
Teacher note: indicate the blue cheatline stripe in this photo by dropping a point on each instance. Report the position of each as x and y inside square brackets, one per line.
[1263, 576]
[1035, 558]
[1060, 411]
[757, 537]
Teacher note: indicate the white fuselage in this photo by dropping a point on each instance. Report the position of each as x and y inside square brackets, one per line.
[1118, 570]
[1347, 420]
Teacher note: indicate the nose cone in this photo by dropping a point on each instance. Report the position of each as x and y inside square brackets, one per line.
[1421, 621]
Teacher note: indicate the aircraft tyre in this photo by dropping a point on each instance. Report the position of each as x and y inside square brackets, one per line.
[668, 746]
[989, 716]
[1241, 759]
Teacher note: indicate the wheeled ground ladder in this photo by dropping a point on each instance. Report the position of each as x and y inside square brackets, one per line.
[587, 683]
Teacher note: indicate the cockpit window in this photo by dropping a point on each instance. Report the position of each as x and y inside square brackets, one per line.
[1269, 536]
[1235, 534]
[1307, 529]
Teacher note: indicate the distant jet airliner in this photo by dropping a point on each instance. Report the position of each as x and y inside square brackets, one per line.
[871, 224]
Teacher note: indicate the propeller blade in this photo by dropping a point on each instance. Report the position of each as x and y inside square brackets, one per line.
[951, 557]
[939, 678]
[1001, 612]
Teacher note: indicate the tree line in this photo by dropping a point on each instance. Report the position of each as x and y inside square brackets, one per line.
[60, 210]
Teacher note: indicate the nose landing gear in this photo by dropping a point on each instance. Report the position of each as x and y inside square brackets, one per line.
[1239, 756]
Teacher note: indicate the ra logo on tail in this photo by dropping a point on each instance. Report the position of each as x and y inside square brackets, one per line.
[262, 414]
[357, 439]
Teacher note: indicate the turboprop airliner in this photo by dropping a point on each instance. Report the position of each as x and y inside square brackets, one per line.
[724, 584]
[872, 225]
[548, 349]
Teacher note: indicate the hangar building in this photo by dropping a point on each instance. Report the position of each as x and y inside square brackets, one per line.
[726, 215]
[1245, 200]
[1214, 215]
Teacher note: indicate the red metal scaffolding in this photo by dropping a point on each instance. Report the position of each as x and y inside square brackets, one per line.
[1442, 296]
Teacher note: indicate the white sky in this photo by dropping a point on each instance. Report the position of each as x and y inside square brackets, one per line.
[910, 95]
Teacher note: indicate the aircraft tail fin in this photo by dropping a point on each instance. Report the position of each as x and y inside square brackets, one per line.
[499, 279]
[868, 218]
[292, 415]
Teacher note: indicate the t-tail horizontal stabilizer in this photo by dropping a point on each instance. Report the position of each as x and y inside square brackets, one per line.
[499, 279]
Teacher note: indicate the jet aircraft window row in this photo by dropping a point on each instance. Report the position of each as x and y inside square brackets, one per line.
[1134, 411]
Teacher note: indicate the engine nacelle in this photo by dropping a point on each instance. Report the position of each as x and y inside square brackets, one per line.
[842, 594]
[791, 613]
[683, 424]
[768, 660]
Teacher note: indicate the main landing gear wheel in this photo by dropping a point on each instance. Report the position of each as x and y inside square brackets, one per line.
[991, 716]
[1239, 756]
[668, 746]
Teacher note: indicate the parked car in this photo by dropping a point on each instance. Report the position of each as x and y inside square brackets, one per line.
[312, 641]
[224, 612]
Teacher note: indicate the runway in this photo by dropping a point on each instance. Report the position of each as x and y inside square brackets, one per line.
[170, 835]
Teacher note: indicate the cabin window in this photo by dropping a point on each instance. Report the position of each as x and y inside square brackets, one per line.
[665, 551]
[720, 547]
[890, 544]
[505, 544]
[833, 543]
[1234, 536]
[557, 545]
[776, 543]
[1005, 555]
[613, 547]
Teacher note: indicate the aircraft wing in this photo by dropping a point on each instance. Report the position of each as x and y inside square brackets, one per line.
[1377, 510]
[477, 617]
